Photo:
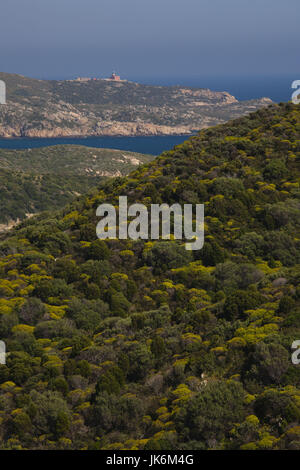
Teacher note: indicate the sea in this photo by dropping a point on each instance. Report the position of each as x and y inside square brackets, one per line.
[150, 145]
[243, 88]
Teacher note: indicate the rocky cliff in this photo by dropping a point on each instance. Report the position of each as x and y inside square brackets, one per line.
[42, 108]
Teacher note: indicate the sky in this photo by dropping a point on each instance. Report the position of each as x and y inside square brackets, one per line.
[149, 38]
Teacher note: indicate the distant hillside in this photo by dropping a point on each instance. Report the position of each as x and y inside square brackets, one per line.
[40, 108]
[47, 178]
[125, 345]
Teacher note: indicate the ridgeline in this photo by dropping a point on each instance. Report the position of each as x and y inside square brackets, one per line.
[36, 180]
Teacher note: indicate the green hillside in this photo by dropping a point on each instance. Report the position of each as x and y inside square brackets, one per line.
[47, 178]
[143, 345]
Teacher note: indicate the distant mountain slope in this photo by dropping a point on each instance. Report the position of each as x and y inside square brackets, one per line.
[47, 178]
[124, 345]
[40, 108]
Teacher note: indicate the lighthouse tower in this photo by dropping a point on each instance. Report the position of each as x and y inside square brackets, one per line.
[115, 77]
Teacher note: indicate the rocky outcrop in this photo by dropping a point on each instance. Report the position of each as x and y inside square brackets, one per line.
[109, 128]
[37, 108]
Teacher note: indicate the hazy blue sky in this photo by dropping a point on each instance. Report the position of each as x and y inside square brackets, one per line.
[149, 38]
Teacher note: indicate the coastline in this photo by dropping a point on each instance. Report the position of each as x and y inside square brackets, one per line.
[91, 136]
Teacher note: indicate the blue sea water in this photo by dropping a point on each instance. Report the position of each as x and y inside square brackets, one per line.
[148, 145]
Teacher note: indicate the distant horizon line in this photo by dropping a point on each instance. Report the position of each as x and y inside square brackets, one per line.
[155, 77]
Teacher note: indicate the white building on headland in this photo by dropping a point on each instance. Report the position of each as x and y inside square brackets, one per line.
[114, 77]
